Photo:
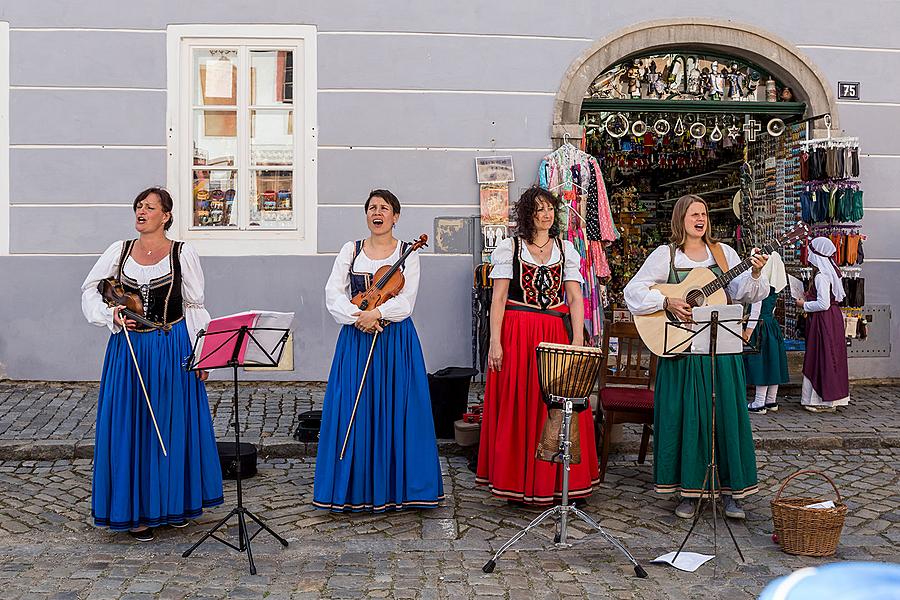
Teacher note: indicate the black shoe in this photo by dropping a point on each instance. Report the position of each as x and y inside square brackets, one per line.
[515, 503]
[759, 410]
[772, 407]
[144, 535]
[180, 525]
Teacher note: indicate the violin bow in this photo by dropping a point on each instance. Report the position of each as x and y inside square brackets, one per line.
[358, 394]
[144, 388]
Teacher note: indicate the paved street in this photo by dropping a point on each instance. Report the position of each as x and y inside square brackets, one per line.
[48, 549]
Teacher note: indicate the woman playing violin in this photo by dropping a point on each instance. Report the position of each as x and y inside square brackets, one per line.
[137, 485]
[390, 459]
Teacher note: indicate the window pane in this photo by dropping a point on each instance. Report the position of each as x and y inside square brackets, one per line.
[215, 76]
[271, 137]
[271, 77]
[215, 137]
[214, 196]
[272, 204]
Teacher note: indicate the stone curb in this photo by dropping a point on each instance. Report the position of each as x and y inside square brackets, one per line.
[20, 450]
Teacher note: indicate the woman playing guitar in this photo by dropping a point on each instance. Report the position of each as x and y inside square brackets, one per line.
[377, 448]
[682, 396]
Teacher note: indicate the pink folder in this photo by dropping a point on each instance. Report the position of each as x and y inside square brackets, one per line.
[218, 345]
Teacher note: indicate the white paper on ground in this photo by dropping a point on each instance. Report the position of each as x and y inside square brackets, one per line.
[687, 561]
[826, 504]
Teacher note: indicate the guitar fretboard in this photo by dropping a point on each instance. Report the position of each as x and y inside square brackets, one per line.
[728, 276]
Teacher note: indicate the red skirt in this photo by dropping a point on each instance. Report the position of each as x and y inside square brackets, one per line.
[514, 415]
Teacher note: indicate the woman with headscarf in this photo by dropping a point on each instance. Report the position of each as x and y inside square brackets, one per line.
[767, 368]
[826, 383]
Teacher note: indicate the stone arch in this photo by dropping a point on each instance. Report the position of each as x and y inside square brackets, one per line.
[770, 52]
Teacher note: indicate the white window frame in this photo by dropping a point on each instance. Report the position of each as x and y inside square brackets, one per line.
[5, 224]
[231, 241]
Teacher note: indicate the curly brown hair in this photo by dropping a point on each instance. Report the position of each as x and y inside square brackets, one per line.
[527, 207]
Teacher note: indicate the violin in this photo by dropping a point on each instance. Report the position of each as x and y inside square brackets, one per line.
[114, 294]
[388, 280]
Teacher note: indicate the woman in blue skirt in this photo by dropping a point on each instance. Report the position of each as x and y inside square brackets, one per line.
[137, 487]
[391, 459]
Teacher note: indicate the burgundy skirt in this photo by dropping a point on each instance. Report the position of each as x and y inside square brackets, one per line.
[825, 362]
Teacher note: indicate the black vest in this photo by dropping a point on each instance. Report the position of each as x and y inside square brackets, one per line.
[360, 282]
[162, 296]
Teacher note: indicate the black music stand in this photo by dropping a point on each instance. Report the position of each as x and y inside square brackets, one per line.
[711, 479]
[241, 339]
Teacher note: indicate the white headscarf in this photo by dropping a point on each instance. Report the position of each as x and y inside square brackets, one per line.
[774, 272]
[821, 253]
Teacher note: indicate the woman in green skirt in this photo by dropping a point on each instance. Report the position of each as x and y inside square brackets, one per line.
[682, 400]
[766, 369]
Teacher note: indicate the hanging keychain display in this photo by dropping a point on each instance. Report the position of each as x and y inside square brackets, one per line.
[616, 125]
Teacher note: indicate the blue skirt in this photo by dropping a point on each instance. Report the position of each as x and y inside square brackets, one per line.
[134, 484]
[391, 461]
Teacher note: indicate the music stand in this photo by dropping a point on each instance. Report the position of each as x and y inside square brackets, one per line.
[712, 346]
[215, 346]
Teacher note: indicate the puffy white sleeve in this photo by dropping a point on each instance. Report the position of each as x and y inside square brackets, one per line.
[755, 309]
[744, 288]
[92, 305]
[401, 306]
[196, 317]
[823, 295]
[337, 289]
[572, 267]
[502, 259]
[641, 300]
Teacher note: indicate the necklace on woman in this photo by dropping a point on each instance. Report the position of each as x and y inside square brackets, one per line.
[541, 246]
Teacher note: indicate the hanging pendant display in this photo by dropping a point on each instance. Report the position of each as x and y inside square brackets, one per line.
[679, 127]
[638, 128]
[775, 127]
[716, 134]
[616, 125]
[698, 130]
[661, 127]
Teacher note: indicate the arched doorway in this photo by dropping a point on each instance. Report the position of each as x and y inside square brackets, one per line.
[775, 55]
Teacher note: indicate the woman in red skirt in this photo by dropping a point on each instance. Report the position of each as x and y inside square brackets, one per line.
[537, 288]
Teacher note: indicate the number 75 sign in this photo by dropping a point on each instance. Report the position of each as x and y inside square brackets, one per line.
[848, 90]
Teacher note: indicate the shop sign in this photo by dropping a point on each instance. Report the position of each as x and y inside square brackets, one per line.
[848, 90]
[494, 169]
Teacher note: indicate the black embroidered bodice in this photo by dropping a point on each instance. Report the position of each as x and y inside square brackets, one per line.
[161, 296]
[537, 286]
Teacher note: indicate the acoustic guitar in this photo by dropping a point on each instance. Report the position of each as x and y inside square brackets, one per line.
[701, 287]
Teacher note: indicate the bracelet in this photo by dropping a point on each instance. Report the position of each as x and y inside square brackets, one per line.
[665, 303]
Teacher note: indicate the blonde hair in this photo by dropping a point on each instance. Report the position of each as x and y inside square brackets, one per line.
[679, 211]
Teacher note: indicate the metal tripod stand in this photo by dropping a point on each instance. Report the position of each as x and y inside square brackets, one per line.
[561, 512]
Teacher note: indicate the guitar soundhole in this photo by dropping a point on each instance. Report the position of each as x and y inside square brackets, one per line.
[695, 298]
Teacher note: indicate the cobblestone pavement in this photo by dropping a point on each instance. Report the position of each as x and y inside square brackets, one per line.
[48, 549]
[48, 420]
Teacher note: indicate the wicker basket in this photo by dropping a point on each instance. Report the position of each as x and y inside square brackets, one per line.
[808, 531]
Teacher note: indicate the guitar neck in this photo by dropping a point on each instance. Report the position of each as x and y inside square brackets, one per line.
[728, 276]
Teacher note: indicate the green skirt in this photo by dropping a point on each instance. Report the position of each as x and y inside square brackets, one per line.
[769, 366]
[682, 426]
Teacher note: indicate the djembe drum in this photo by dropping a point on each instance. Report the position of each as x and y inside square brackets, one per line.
[566, 373]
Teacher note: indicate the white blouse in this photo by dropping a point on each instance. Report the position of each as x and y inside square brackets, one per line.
[337, 289]
[823, 295]
[502, 259]
[641, 300]
[98, 313]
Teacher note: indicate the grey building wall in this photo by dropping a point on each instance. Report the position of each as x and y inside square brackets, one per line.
[409, 94]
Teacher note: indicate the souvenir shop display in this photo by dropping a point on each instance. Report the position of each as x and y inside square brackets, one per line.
[585, 219]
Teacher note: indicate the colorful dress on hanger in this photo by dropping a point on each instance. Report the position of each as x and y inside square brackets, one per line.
[768, 366]
[826, 381]
[514, 409]
[391, 460]
[682, 398]
[134, 484]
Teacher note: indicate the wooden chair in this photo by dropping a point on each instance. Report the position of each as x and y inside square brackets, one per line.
[627, 380]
